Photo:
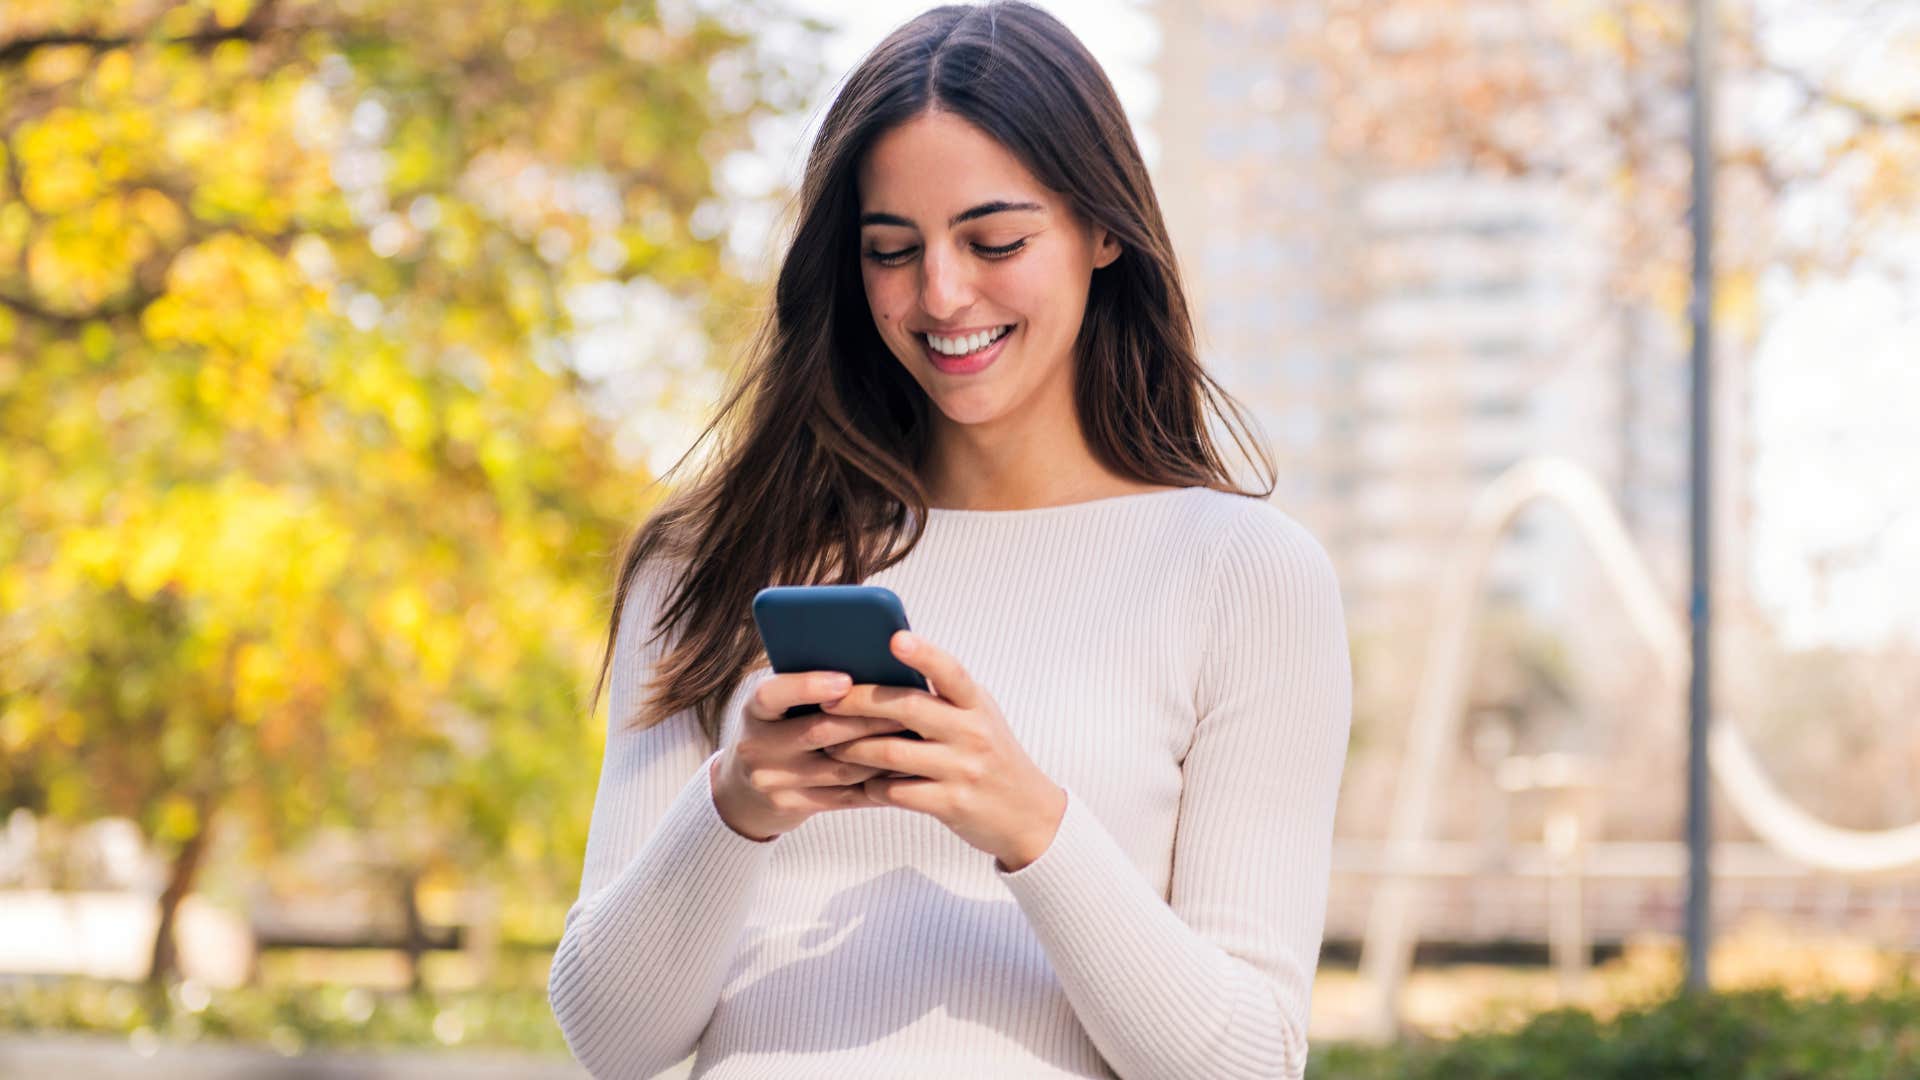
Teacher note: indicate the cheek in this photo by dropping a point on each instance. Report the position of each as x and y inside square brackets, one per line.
[1043, 295]
[888, 302]
[1032, 291]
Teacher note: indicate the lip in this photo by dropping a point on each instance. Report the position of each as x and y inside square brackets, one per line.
[961, 332]
[972, 362]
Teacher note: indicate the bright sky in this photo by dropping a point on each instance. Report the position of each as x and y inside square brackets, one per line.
[1837, 384]
[1836, 380]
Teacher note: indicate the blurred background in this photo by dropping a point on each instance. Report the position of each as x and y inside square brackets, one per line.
[340, 341]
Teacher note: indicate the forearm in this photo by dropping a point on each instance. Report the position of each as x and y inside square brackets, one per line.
[642, 961]
[1157, 998]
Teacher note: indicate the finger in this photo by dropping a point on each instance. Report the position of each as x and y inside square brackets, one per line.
[918, 713]
[817, 732]
[826, 772]
[773, 697]
[848, 797]
[907, 793]
[812, 770]
[890, 753]
[943, 672]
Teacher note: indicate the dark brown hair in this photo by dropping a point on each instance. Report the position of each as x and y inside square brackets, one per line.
[823, 431]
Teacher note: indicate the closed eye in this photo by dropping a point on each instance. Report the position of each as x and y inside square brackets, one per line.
[895, 258]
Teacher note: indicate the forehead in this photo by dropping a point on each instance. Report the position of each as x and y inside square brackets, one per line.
[937, 164]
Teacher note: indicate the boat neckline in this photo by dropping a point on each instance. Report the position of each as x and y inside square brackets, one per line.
[935, 512]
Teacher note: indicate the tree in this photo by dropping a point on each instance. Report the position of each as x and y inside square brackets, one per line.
[1594, 94]
[308, 510]
[1817, 160]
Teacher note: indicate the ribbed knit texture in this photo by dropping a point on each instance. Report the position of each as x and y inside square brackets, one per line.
[1175, 660]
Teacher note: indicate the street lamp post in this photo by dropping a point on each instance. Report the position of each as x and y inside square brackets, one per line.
[1698, 917]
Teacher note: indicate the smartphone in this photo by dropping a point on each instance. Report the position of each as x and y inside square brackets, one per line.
[834, 628]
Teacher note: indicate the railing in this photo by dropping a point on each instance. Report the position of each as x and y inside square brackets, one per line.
[1387, 950]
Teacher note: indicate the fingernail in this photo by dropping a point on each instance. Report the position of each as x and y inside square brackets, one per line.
[906, 641]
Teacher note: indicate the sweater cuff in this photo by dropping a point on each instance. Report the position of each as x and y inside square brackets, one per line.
[710, 810]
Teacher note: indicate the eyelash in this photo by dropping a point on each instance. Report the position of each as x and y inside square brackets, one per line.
[887, 258]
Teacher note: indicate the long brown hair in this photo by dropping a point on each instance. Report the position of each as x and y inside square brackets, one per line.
[823, 432]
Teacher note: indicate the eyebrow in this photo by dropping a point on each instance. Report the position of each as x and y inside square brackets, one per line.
[997, 206]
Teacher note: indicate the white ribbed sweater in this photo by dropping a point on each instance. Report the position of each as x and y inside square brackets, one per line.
[1175, 660]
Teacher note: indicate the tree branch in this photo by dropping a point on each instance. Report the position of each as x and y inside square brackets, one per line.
[257, 25]
[126, 303]
[1908, 117]
[133, 300]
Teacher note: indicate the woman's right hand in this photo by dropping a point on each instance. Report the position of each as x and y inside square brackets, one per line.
[774, 776]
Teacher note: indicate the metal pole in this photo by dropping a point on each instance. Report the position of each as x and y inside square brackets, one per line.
[1699, 929]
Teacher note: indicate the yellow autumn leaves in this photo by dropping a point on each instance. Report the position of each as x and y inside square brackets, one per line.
[307, 516]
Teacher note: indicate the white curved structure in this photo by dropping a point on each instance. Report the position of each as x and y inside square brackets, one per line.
[1387, 951]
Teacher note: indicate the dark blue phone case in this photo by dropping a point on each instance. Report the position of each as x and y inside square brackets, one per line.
[834, 628]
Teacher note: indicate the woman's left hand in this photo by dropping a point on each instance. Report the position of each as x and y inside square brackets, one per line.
[967, 769]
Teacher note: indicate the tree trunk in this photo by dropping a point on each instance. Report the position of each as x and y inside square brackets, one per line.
[416, 941]
[165, 960]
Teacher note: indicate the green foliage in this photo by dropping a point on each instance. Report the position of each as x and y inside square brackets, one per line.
[307, 512]
[289, 1018]
[1747, 1035]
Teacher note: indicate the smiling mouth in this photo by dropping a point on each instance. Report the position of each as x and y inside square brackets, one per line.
[957, 347]
[974, 360]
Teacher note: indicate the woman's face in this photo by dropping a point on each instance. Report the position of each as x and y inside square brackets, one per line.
[958, 239]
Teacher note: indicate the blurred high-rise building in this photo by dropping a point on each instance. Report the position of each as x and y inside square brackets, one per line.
[1403, 337]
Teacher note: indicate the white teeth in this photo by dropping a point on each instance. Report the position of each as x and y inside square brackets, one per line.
[961, 346]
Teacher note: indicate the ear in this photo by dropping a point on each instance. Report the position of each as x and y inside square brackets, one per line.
[1107, 250]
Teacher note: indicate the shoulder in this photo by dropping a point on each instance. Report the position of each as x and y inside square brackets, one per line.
[1268, 585]
[647, 593]
[1270, 606]
[646, 587]
[1253, 541]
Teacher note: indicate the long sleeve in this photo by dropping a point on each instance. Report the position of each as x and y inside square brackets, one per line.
[1215, 980]
[666, 886]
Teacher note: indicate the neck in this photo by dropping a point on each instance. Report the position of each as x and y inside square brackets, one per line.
[976, 467]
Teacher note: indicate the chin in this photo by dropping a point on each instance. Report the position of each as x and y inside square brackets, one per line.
[974, 405]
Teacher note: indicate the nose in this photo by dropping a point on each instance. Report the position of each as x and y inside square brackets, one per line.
[945, 283]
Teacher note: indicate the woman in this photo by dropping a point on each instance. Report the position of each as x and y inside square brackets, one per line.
[978, 387]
